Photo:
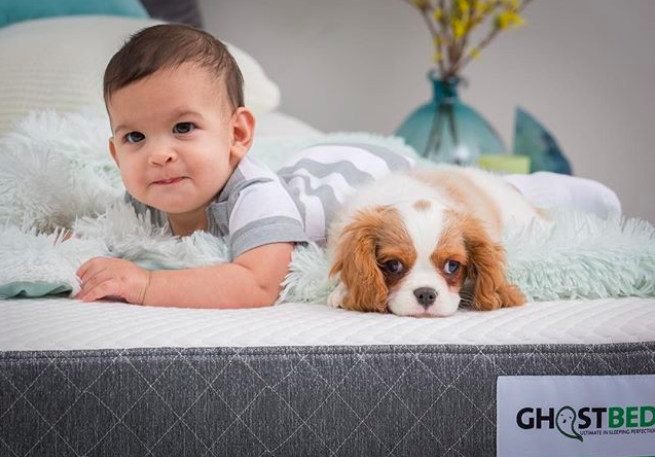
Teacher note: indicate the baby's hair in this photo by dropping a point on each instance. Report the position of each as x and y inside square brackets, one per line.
[169, 46]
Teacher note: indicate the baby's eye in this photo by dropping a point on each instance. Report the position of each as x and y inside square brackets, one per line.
[134, 137]
[183, 127]
[451, 267]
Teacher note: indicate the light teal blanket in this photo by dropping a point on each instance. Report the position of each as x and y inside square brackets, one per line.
[50, 179]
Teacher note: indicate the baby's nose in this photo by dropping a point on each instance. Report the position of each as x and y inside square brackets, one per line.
[162, 154]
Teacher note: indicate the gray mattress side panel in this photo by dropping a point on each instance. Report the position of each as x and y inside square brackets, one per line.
[287, 401]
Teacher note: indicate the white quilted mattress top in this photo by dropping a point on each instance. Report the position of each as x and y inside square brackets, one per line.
[64, 324]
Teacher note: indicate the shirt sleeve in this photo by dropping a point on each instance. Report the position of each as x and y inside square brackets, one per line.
[263, 212]
[157, 218]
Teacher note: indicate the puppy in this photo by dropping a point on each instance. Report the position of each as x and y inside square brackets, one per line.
[415, 244]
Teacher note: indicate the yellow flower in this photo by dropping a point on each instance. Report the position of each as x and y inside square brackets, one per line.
[509, 19]
[482, 8]
[459, 28]
[453, 24]
[502, 21]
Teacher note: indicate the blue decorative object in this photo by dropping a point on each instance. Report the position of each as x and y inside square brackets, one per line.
[533, 140]
[22, 10]
[448, 131]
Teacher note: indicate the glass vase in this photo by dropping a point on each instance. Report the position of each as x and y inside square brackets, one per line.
[446, 130]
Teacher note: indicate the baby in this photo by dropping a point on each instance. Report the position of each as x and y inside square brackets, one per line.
[180, 135]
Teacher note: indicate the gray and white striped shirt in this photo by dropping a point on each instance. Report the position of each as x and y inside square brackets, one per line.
[258, 206]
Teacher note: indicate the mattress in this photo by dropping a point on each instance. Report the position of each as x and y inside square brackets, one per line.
[295, 379]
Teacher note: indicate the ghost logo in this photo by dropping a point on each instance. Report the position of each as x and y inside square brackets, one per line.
[565, 423]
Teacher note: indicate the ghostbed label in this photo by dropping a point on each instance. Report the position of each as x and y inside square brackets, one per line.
[575, 416]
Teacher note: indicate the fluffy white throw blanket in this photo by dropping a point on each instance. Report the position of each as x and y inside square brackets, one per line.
[56, 173]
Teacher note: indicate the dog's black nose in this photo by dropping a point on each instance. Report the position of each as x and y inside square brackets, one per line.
[425, 296]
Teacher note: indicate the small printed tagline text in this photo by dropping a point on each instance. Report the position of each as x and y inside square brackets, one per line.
[618, 432]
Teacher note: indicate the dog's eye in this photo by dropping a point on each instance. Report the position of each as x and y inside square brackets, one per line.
[451, 267]
[394, 267]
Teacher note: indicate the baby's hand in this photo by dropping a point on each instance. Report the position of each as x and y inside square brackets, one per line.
[103, 277]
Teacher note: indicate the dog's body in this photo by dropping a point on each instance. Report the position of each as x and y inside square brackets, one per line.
[408, 242]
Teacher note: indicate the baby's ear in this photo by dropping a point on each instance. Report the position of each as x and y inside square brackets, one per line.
[243, 132]
[112, 151]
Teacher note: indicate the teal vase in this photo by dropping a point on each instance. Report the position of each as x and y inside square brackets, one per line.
[446, 130]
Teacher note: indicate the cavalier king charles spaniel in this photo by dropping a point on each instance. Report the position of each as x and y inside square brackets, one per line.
[419, 243]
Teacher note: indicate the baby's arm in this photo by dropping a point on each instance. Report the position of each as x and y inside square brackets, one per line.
[251, 280]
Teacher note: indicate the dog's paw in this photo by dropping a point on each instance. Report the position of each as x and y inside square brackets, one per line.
[336, 297]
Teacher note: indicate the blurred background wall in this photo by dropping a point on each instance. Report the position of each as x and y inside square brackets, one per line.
[584, 68]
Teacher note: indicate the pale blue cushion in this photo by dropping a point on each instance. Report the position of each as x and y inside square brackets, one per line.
[22, 10]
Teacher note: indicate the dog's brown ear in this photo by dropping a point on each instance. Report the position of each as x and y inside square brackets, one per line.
[355, 260]
[487, 269]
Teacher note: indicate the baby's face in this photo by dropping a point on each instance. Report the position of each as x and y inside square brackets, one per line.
[173, 139]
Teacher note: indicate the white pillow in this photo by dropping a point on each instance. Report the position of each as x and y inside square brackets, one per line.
[58, 63]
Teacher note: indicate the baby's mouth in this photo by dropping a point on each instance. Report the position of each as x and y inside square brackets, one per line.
[169, 181]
